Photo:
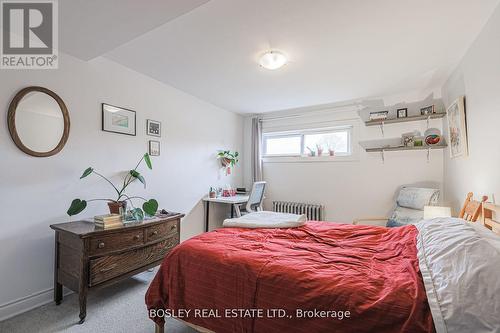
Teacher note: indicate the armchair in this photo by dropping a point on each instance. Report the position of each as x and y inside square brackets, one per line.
[409, 207]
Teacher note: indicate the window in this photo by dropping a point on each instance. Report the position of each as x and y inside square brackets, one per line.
[301, 143]
[336, 141]
[284, 145]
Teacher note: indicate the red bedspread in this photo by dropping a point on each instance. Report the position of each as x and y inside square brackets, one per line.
[372, 272]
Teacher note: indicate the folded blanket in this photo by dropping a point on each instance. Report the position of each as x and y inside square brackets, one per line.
[266, 220]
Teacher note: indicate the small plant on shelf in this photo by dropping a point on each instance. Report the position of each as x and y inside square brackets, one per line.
[149, 207]
[228, 159]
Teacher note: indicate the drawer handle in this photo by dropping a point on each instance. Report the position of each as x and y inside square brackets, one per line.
[101, 245]
[155, 233]
[172, 227]
[108, 268]
[136, 237]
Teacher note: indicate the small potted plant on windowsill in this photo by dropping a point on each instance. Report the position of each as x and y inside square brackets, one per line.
[319, 149]
[149, 206]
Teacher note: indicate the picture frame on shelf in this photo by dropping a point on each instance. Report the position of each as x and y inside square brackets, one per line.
[118, 120]
[154, 148]
[428, 110]
[379, 115]
[153, 128]
[402, 113]
[408, 139]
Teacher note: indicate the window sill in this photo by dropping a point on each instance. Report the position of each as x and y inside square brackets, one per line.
[309, 159]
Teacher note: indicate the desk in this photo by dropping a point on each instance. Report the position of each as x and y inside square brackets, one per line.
[237, 199]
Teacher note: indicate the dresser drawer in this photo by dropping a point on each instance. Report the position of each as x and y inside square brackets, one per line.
[108, 267]
[160, 231]
[115, 242]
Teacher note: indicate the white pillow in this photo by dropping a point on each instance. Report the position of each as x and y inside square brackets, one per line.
[417, 198]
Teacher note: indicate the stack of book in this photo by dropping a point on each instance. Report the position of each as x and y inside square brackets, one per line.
[108, 221]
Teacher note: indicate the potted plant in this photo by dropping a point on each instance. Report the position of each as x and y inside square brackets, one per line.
[319, 148]
[228, 159]
[312, 153]
[331, 149]
[149, 206]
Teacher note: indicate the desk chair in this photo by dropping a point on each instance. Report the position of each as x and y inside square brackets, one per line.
[254, 203]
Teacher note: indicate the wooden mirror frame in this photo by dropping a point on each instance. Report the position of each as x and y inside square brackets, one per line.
[11, 121]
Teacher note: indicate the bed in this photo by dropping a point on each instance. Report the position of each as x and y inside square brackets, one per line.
[438, 275]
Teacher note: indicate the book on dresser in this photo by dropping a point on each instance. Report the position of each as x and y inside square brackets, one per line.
[108, 221]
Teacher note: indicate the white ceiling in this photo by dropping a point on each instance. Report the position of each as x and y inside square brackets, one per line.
[338, 49]
[90, 28]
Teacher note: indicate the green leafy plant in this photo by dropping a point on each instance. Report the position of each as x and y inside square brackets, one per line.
[149, 206]
[228, 158]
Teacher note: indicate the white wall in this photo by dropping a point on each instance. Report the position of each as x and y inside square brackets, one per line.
[36, 192]
[360, 187]
[478, 78]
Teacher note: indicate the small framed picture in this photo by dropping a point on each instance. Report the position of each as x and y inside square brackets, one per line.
[408, 139]
[402, 113]
[427, 110]
[118, 120]
[153, 127]
[379, 115]
[154, 148]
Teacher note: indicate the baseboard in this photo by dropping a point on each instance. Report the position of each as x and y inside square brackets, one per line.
[26, 303]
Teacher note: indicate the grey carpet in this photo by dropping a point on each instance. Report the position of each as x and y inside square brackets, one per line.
[118, 308]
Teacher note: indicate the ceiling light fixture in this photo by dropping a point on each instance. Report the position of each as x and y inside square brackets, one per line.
[273, 60]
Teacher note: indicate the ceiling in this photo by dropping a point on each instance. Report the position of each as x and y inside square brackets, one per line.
[339, 50]
[90, 28]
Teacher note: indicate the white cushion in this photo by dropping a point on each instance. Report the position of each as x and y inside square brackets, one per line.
[417, 198]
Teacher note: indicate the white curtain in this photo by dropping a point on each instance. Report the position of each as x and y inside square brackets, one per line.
[256, 149]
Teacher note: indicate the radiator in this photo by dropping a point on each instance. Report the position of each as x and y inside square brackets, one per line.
[312, 211]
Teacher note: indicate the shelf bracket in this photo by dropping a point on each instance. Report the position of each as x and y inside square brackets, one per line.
[428, 120]
[428, 155]
[382, 128]
[382, 154]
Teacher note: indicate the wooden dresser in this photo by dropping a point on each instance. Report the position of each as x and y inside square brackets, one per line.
[88, 257]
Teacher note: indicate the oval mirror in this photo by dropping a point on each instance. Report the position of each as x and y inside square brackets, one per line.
[38, 122]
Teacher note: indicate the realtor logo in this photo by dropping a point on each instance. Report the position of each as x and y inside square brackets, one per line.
[29, 34]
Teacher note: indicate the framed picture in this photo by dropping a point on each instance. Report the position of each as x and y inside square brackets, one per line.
[379, 115]
[154, 148]
[427, 110]
[153, 127]
[408, 139]
[402, 113]
[118, 120]
[457, 128]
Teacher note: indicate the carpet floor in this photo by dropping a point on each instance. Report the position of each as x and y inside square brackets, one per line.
[118, 308]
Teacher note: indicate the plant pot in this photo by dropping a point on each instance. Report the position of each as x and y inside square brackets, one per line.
[114, 206]
[225, 161]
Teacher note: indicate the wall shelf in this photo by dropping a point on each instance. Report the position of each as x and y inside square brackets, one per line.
[404, 120]
[402, 148]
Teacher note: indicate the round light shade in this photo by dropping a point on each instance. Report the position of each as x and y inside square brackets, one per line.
[273, 60]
